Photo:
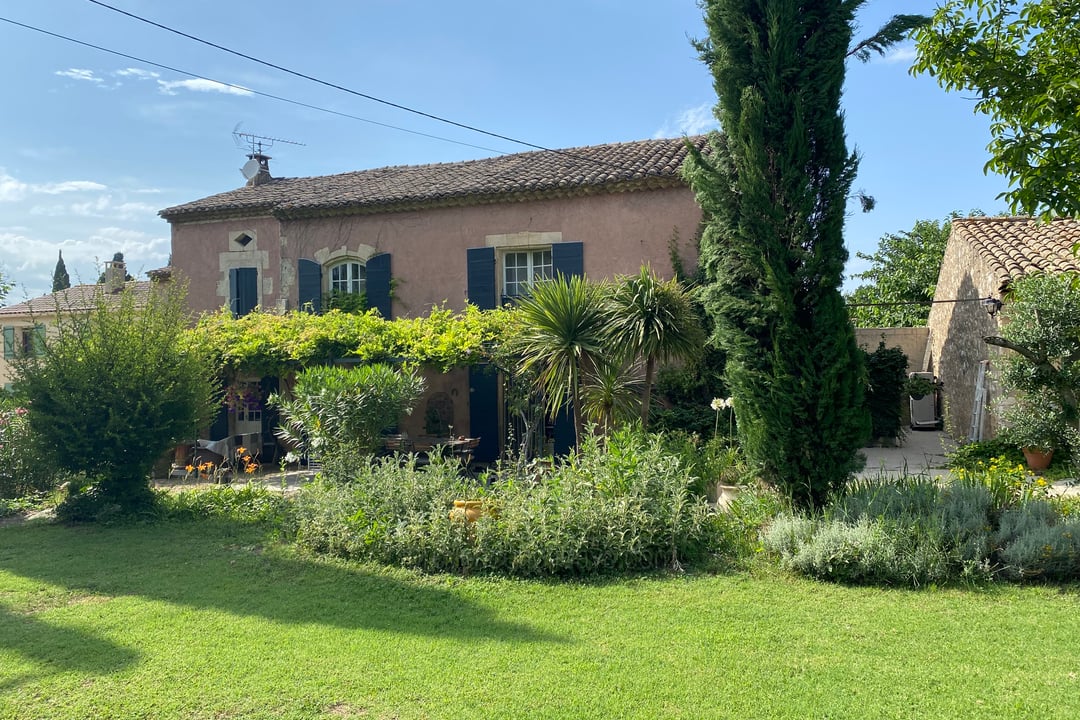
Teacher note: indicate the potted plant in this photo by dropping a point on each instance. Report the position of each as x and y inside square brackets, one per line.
[1036, 426]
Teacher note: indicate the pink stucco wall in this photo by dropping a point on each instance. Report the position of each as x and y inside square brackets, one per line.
[620, 231]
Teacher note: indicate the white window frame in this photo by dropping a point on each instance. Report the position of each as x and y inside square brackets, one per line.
[355, 281]
[535, 268]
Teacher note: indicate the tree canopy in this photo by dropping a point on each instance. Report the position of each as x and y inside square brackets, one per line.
[1020, 59]
[902, 276]
[60, 279]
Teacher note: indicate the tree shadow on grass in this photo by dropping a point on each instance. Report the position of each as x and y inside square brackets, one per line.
[54, 648]
[216, 566]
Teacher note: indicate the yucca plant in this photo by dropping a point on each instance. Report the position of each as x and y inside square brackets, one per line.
[653, 320]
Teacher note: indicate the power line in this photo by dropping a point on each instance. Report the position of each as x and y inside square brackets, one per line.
[245, 89]
[366, 96]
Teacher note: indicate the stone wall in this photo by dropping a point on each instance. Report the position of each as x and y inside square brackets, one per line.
[957, 329]
[911, 340]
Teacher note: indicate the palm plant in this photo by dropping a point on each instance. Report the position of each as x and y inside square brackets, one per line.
[653, 320]
[610, 393]
[562, 337]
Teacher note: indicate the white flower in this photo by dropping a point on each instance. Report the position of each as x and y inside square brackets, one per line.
[291, 457]
[718, 404]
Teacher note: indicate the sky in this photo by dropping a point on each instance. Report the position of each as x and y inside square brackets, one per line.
[93, 144]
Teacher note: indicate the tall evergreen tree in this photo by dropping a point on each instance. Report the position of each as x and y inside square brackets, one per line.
[774, 189]
[60, 278]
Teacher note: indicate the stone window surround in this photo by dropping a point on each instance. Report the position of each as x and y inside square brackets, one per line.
[512, 242]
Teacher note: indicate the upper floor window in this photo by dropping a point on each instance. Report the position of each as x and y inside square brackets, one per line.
[522, 268]
[348, 277]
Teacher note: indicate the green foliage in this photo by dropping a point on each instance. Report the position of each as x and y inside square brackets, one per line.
[1009, 483]
[904, 271]
[1034, 422]
[115, 388]
[653, 320]
[60, 280]
[774, 190]
[351, 303]
[907, 532]
[687, 391]
[887, 376]
[1019, 60]
[563, 334]
[1036, 543]
[267, 344]
[249, 504]
[5, 287]
[896, 29]
[25, 466]
[335, 409]
[1042, 327]
[615, 506]
[971, 455]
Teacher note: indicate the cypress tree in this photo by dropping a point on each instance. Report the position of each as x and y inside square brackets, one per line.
[60, 279]
[774, 187]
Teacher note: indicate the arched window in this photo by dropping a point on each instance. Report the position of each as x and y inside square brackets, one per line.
[349, 277]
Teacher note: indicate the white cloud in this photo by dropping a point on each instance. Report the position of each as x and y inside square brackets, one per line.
[901, 54]
[137, 73]
[692, 121]
[102, 206]
[169, 87]
[14, 190]
[79, 74]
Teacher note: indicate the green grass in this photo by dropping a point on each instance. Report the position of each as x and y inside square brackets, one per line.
[209, 620]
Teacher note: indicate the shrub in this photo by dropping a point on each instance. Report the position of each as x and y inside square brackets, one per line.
[971, 455]
[907, 531]
[1035, 542]
[614, 506]
[886, 377]
[1009, 483]
[24, 467]
[247, 504]
[114, 388]
[337, 409]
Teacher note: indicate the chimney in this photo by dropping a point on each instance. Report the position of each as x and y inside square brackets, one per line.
[262, 175]
[115, 274]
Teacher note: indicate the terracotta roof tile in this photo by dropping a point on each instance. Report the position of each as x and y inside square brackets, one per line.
[77, 298]
[1015, 246]
[523, 176]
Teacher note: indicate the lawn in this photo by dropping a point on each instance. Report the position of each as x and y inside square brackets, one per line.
[210, 620]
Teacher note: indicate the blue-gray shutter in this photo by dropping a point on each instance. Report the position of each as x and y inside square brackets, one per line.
[568, 258]
[243, 290]
[9, 341]
[481, 277]
[484, 411]
[378, 284]
[37, 340]
[309, 285]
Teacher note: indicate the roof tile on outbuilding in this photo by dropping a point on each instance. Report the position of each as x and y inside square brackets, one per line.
[77, 298]
[1016, 246]
[542, 174]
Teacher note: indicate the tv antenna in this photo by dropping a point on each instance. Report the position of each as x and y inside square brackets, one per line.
[255, 145]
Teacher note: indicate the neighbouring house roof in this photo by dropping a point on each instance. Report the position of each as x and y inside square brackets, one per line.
[1016, 246]
[543, 174]
[77, 298]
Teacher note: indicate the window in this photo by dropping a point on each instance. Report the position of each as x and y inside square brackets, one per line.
[522, 268]
[24, 341]
[348, 277]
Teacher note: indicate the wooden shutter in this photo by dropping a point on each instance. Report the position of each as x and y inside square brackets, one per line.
[309, 285]
[481, 277]
[484, 411]
[37, 340]
[243, 290]
[378, 284]
[9, 342]
[568, 258]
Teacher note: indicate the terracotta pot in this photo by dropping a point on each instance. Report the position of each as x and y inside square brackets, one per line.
[468, 510]
[1037, 458]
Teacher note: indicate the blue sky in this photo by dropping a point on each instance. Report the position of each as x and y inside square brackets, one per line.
[92, 145]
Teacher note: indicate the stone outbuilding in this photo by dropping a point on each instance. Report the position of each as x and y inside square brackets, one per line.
[983, 256]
